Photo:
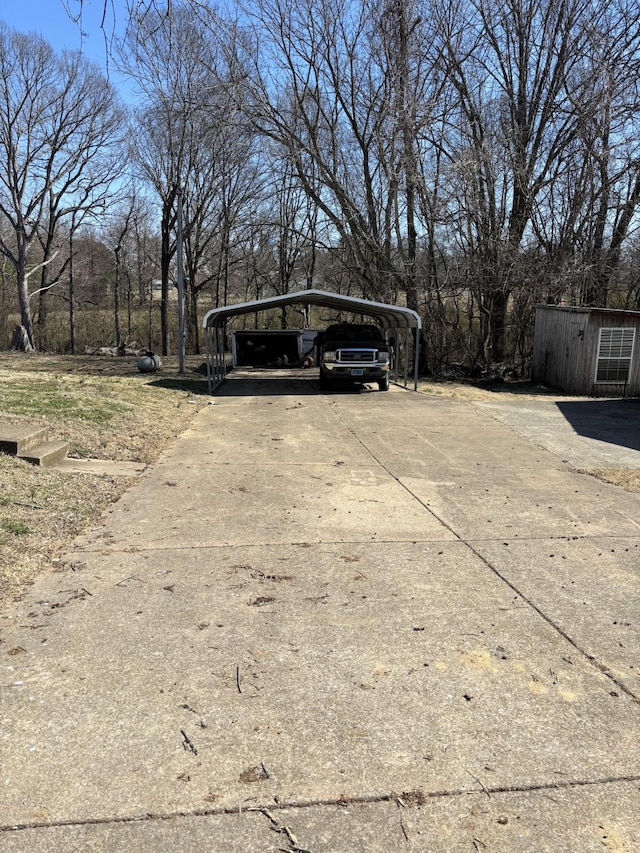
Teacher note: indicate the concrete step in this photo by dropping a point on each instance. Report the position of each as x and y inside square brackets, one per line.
[46, 454]
[16, 439]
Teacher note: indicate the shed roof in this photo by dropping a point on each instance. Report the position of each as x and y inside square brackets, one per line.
[389, 316]
[574, 309]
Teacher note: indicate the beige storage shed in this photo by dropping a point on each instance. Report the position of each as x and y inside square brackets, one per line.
[590, 351]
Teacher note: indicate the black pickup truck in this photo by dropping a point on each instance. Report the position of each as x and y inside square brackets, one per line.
[349, 353]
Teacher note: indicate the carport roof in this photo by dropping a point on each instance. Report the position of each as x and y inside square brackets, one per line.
[389, 316]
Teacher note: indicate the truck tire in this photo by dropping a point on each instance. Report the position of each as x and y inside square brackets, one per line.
[383, 384]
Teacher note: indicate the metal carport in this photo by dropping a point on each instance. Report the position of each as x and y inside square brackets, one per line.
[390, 317]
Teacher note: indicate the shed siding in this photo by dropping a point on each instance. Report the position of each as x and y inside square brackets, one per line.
[565, 350]
[559, 352]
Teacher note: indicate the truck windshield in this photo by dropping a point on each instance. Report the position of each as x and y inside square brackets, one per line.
[354, 333]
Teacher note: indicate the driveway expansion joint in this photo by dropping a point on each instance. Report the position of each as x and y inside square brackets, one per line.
[418, 797]
[601, 667]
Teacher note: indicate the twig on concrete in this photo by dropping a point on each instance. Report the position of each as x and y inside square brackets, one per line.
[187, 743]
[404, 831]
[124, 580]
[475, 779]
[238, 679]
[294, 847]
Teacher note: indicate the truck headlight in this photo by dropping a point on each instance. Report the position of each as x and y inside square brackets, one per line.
[383, 357]
[329, 355]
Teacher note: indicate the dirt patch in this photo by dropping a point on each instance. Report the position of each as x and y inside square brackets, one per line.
[107, 410]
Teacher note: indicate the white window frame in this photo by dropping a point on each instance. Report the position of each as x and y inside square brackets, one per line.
[616, 346]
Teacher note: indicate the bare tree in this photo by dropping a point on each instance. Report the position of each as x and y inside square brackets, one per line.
[317, 92]
[513, 69]
[602, 183]
[464, 156]
[58, 117]
[291, 218]
[222, 187]
[179, 127]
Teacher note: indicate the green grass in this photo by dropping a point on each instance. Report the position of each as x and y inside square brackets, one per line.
[17, 528]
[59, 401]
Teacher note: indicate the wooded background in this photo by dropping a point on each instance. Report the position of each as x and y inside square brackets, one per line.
[466, 158]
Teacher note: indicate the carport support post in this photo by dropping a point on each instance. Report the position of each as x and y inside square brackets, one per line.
[396, 366]
[209, 357]
[416, 358]
[220, 338]
[406, 357]
[181, 332]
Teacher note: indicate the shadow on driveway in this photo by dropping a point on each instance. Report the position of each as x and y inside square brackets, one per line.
[256, 382]
[613, 421]
[267, 385]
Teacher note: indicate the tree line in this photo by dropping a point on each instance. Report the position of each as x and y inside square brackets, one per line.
[465, 158]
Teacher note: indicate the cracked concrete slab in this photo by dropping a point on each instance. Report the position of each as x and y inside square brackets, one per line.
[304, 671]
[278, 503]
[545, 503]
[584, 432]
[573, 819]
[588, 588]
[370, 663]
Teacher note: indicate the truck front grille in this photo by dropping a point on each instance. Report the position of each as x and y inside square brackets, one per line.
[357, 355]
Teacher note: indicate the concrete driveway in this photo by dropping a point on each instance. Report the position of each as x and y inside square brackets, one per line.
[585, 432]
[345, 622]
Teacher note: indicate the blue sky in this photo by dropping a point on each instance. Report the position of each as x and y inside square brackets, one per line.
[50, 19]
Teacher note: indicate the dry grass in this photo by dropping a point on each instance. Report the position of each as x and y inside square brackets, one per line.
[626, 478]
[458, 390]
[107, 410]
[40, 512]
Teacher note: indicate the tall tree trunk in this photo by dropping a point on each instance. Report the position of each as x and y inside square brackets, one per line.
[41, 318]
[23, 294]
[166, 255]
[116, 300]
[72, 299]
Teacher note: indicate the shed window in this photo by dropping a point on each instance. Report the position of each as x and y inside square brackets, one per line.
[615, 351]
